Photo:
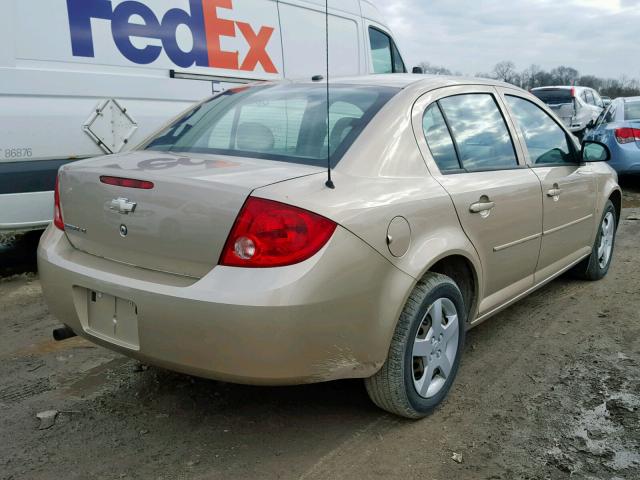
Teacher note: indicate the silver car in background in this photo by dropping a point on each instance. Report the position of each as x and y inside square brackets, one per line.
[577, 107]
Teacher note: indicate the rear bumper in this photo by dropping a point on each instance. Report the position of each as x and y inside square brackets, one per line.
[328, 318]
[26, 194]
[25, 211]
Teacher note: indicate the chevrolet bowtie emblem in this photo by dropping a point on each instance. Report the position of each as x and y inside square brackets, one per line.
[123, 206]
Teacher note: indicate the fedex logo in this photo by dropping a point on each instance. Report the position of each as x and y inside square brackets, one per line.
[203, 21]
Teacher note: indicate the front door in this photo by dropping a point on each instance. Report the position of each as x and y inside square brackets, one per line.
[568, 188]
[497, 198]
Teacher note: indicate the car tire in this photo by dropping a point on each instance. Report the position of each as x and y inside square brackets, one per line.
[596, 266]
[395, 388]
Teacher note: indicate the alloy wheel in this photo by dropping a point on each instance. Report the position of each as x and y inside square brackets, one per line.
[435, 348]
[607, 231]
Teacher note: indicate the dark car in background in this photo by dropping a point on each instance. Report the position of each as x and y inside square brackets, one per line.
[619, 128]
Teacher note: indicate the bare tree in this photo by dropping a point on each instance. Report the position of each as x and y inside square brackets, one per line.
[565, 75]
[534, 76]
[434, 69]
[505, 71]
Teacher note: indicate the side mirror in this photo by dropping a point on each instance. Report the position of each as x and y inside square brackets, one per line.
[417, 70]
[595, 152]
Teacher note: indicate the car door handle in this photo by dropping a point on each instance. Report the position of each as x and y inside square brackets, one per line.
[554, 192]
[480, 207]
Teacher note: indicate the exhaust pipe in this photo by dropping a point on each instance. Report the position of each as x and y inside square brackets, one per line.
[63, 333]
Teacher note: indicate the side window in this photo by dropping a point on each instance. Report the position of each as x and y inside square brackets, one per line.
[439, 140]
[380, 51]
[384, 53]
[479, 132]
[398, 64]
[610, 114]
[597, 100]
[546, 141]
[590, 99]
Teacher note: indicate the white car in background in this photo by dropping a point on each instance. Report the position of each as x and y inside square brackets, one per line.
[577, 107]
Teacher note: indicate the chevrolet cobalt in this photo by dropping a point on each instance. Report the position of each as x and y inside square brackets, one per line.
[220, 248]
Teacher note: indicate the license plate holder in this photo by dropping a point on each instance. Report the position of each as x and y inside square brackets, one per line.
[112, 319]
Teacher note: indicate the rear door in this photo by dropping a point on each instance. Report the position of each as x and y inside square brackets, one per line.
[304, 38]
[568, 187]
[496, 197]
[594, 106]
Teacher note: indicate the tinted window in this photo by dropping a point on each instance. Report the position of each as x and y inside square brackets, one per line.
[398, 64]
[632, 110]
[439, 140]
[597, 99]
[380, 51]
[546, 141]
[384, 53]
[479, 131]
[554, 96]
[609, 114]
[278, 122]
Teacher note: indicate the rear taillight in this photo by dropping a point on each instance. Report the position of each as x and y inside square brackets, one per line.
[274, 234]
[127, 182]
[627, 135]
[57, 211]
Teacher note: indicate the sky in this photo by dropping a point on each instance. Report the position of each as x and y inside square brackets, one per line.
[598, 37]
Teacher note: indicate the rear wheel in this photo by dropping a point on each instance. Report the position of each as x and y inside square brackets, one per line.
[425, 350]
[596, 266]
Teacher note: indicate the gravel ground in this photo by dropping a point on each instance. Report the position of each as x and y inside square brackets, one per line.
[548, 389]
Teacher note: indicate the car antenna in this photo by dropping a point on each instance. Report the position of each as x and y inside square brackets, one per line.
[329, 183]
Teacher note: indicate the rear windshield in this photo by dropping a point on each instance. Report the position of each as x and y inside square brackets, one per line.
[282, 122]
[632, 110]
[555, 96]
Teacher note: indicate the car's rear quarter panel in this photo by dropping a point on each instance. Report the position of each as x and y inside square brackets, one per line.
[384, 176]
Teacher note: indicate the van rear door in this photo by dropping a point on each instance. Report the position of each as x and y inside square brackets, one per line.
[304, 38]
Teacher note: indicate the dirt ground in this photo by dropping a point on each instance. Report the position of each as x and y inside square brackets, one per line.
[548, 389]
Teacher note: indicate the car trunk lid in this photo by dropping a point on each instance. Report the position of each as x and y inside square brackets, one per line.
[179, 225]
[560, 100]
[564, 112]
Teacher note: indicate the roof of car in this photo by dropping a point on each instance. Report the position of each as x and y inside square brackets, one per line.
[404, 80]
[562, 87]
[631, 99]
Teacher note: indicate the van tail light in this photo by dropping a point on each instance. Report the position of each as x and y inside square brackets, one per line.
[274, 234]
[57, 211]
[627, 135]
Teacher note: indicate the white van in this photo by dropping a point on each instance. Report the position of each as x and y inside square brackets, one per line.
[80, 78]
